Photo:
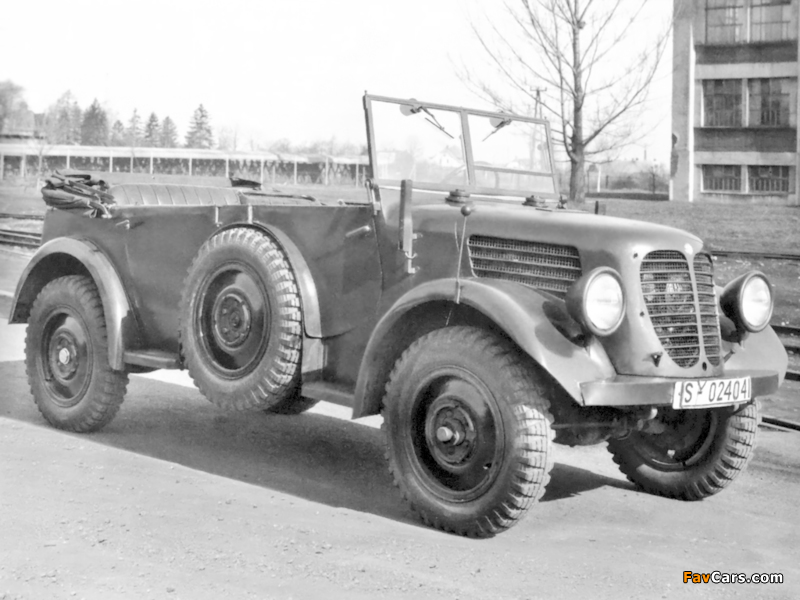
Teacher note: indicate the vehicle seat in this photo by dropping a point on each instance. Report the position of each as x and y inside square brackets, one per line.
[149, 194]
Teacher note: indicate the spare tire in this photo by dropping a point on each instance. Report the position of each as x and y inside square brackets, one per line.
[241, 322]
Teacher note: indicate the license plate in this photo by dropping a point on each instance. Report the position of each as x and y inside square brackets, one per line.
[702, 393]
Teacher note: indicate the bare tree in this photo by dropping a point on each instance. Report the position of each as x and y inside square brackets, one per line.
[579, 62]
[11, 98]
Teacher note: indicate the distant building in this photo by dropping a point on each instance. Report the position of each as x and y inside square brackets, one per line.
[735, 100]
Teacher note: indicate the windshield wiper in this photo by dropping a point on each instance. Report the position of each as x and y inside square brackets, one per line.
[431, 118]
[497, 128]
[435, 122]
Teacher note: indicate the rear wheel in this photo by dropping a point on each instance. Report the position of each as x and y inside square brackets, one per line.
[699, 453]
[241, 322]
[468, 434]
[66, 357]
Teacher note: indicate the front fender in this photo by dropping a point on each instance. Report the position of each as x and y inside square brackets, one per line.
[57, 258]
[522, 313]
[762, 350]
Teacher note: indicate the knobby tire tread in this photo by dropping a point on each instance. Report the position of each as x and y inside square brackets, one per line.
[733, 459]
[534, 434]
[105, 401]
[277, 384]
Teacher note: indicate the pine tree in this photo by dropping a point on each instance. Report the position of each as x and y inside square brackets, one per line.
[94, 128]
[200, 134]
[169, 134]
[118, 134]
[134, 131]
[152, 132]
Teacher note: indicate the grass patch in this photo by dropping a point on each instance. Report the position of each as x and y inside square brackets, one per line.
[744, 227]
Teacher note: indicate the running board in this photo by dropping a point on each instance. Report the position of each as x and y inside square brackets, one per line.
[328, 392]
[153, 359]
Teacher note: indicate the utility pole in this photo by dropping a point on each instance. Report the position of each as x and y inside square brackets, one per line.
[537, 112]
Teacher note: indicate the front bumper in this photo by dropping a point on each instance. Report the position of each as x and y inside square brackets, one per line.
[629, 390]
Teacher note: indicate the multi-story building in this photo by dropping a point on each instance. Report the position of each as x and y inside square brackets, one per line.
[735, 100]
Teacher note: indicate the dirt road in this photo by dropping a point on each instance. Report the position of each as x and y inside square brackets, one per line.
[178, 500]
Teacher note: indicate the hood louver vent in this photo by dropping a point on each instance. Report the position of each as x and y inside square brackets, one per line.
[549, 267]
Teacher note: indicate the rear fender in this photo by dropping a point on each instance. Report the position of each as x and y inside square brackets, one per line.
[524, 315]
[312, 321]
[70, 256]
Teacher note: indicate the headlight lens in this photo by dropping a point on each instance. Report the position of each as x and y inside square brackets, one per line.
[756, 303]
[747, 301]
[604, 302]
[597, 302]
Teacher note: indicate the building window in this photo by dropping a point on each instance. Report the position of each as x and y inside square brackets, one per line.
[722, 101]
[724, 21]
[764, 179]
[769, 20]
[770, 102]
[722, 178]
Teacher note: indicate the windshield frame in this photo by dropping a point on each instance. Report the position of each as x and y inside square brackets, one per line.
[464, 114]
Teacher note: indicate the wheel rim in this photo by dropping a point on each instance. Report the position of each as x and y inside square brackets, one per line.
[686, 441]
[457, 434]
[232, 320]
[66, 352]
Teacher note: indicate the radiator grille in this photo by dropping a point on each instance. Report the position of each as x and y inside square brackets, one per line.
[548, 267]
[683, 309]
[707, 303]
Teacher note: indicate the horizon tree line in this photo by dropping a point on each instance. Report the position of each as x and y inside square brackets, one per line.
[65, 122]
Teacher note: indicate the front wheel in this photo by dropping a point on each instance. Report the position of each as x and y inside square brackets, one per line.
[699, 452]
[468, 434]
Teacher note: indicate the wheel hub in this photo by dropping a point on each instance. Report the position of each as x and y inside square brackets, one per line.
[66, 365]
[64, 356]
[450, 432]
[232, 319]
[687, 437]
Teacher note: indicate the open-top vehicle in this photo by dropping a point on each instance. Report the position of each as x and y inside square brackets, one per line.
[458, 297]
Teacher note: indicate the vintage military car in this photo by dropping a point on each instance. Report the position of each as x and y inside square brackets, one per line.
[458, 297]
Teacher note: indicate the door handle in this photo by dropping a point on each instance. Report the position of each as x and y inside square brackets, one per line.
[360, 232]
[126, 224]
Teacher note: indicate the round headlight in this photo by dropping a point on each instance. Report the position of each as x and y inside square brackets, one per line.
[747, 301]
[756, 303]
[596, 301]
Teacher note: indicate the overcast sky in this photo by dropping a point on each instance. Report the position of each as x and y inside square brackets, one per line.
[270, 68]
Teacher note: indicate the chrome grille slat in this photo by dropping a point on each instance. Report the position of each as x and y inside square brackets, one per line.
[549, 267]
[525, 260]
[682, 305]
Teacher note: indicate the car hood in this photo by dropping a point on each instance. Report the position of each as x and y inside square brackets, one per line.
[600, 240]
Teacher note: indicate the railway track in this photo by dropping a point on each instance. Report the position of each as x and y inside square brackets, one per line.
[12, 237]
[755, 255]
[36, 217]
[790, 337]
